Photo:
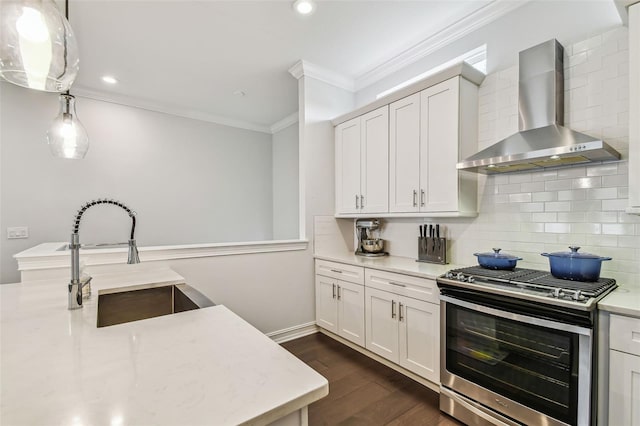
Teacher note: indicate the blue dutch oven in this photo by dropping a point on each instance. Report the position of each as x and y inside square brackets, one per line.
[571, 265]
[497, 260]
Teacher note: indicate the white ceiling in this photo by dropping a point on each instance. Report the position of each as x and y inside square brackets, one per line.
[189, 57]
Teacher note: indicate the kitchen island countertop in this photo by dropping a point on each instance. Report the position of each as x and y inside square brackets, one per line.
[206, 366]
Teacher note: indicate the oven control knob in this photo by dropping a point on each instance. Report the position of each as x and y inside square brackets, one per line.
[449, 274]
[460, 276]
[557, 292]
[470, 279]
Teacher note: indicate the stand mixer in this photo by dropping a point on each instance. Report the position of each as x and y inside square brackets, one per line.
[369, 243]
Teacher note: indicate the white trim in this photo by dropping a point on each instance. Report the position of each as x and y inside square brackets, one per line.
[400, 215]
[459, 29]
[284, 123]
[49, 255]
[433, 386]
[306, 68]
[295, 332]
[130, 101]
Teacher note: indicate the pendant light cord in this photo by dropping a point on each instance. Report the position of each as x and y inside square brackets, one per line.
[66, 15]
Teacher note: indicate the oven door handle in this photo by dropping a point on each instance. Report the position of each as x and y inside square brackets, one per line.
[517, 317]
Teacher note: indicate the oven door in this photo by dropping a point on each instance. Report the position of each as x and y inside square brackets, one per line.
[532, 370]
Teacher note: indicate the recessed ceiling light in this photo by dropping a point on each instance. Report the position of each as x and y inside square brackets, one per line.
[109, 79]
[239, 93]
[304, 7]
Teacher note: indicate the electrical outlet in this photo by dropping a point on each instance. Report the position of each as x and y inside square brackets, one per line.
[18, 232]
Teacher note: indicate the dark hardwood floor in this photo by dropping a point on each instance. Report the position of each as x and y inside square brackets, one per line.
[362, 391]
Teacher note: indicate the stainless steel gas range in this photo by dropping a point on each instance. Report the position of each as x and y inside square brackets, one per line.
[518, 347]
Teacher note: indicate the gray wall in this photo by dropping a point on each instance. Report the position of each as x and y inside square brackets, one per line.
[285, 183]
[189, 181]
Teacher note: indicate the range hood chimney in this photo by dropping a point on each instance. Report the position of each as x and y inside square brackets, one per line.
[542, 141]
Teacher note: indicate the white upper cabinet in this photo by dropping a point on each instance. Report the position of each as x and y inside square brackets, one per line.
[404, 154]
[362, 163]
[634, 109]
[408, 144]
[430, 132]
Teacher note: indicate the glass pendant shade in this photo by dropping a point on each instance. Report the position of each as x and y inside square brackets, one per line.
[67, 136]
[38, 49]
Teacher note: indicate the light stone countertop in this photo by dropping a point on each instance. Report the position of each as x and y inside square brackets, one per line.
[624, 300]
[205, 366]
[400, 265]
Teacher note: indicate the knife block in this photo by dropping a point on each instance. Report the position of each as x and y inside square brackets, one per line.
[432, 250]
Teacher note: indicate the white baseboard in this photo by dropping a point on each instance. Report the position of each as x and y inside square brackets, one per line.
[281, 336]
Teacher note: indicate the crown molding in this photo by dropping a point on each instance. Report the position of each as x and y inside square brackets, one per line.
[157, 107]
[457, 30]
[306, 68]
[284, 123]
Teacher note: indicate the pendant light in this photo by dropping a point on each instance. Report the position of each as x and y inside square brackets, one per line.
[67, 137]
[38, 49]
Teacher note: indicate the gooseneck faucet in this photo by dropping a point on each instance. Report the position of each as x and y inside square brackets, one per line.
[76, 284]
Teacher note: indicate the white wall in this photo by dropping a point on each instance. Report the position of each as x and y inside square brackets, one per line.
[535, 22]
[189, 181]
[544, 211]
[285, 183]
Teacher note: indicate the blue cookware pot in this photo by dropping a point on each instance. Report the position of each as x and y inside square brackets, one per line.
[497, 260]
[571, 265]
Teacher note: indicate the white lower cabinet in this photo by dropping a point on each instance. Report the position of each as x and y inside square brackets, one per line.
[403, 330]
[340, 305]
[624, 371]
[395, 316]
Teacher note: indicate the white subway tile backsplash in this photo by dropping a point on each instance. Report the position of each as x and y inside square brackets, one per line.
[602, 217]
[602, 240]
[586, 206]
[532, 207]
[532, 187]
[602, 193]
[556, 185]
[544, 196]
[572, 217]
[524, 197]
[557, 206]
[574, 194]
[572, 172]
[602, 169]
[586, 182]
[609, 205]
[618, 228]
[544, 217]
[520, 178]
[509, 188]
[615, 180]
[544, 175]
[558, 228]
[586, 228]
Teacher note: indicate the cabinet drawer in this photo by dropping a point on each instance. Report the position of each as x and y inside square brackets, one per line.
[341, 271]
[624, 334]
[405, 285]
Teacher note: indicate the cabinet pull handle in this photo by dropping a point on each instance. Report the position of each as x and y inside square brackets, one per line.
[415, 195]
[400, 311]
[393, 309]
[337, 271]
[357, 207]
[422, 197]
[361, 201]
[398, 284]
[338, 292]
[334, 290]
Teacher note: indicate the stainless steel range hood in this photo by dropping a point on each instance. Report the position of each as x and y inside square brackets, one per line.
[542, 140]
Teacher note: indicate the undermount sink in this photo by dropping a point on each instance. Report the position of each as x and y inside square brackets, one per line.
[120, 305]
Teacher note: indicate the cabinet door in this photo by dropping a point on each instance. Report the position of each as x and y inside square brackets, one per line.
[624, 389]
[351, 312]
[374, 179]
[419, 334]
[326, 303]
[404, 154]
[347, 141]
[439, 147]
[381, 310]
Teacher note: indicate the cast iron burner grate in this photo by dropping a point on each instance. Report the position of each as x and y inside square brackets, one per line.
[522, 276]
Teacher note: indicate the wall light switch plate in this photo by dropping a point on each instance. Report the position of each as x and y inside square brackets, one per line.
[17, 232]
